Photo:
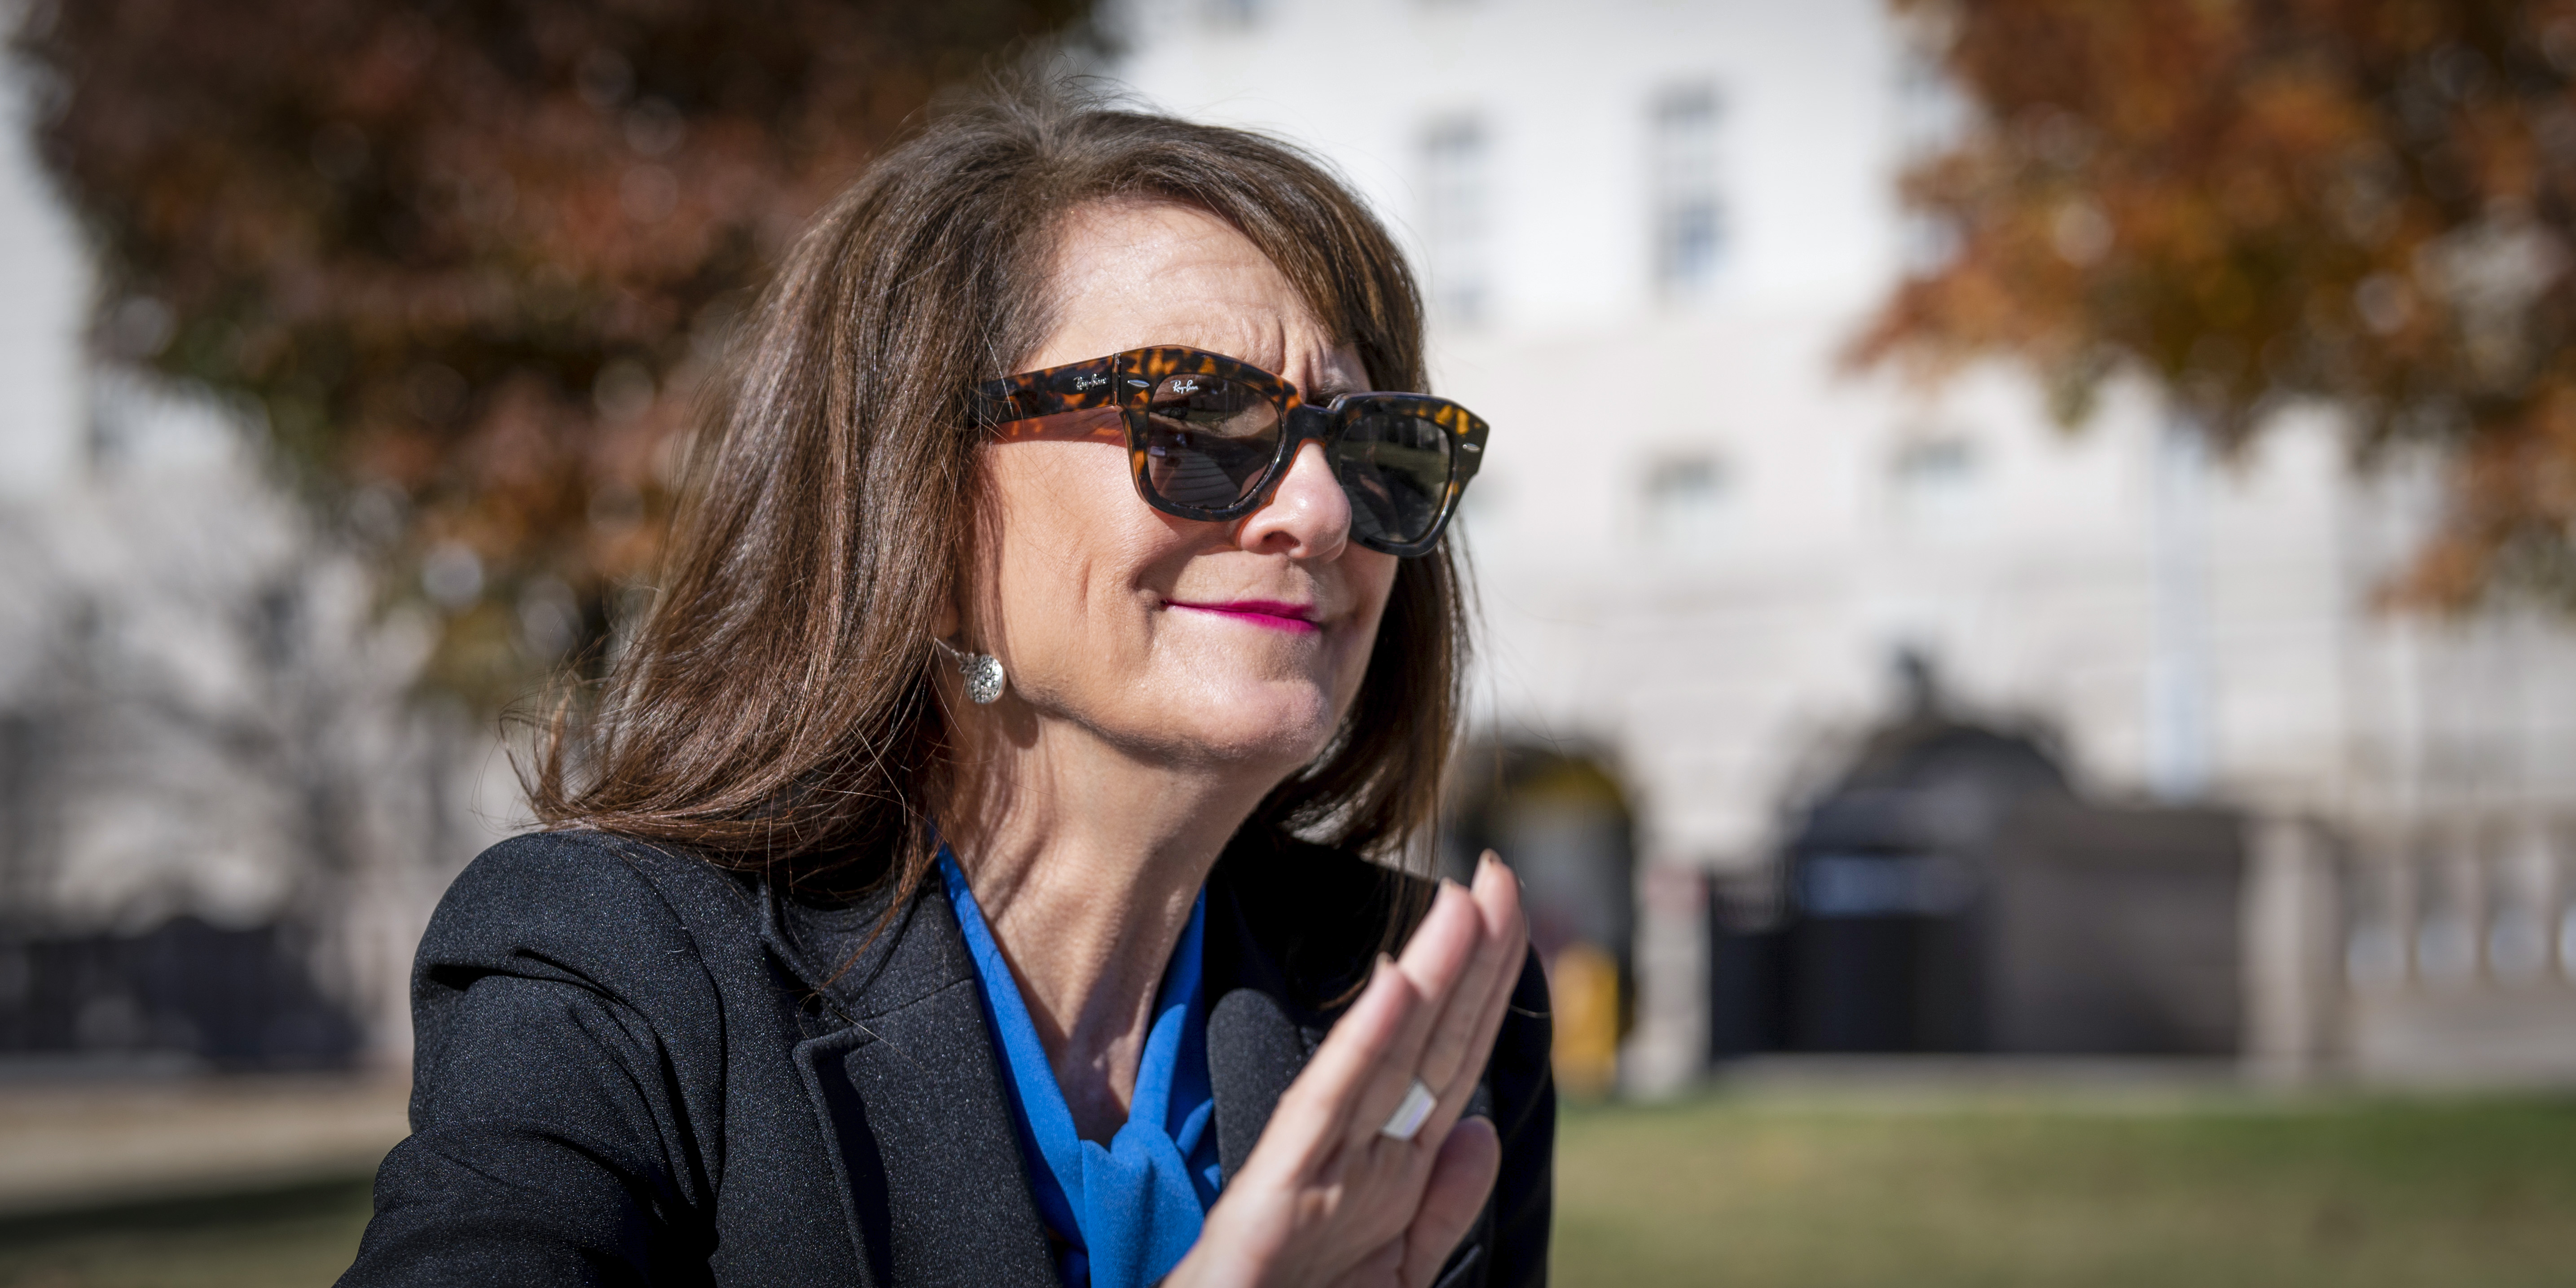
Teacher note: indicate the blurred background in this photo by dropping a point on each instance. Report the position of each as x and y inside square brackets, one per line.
[2029, 653]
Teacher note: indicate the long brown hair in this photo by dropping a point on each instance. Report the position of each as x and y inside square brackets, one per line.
[774, 709]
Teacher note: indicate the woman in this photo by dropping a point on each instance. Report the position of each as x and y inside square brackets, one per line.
[964, 878]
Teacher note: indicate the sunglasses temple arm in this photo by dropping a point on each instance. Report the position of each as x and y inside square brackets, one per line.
[1079, 386]
[1095, 425]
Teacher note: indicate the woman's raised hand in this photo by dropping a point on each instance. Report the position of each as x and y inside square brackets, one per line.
[1326, 1198]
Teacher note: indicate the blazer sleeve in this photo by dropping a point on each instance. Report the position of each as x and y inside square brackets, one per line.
[1524, 1105]
[562, 1015]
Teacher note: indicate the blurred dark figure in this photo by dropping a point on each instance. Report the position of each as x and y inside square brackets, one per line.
[229, 999]
[1949, 891]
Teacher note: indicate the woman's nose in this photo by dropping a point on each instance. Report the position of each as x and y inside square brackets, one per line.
[1308, 517]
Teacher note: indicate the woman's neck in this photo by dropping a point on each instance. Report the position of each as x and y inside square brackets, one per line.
[1086, 860]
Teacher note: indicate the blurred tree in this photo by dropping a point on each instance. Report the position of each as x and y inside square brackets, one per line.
[2366, 203]
[464, 261]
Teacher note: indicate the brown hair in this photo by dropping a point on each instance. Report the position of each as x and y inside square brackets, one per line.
[774, 709]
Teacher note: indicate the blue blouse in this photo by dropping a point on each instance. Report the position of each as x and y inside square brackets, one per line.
[1122, 1215]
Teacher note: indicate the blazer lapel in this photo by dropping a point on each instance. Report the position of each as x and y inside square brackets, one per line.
[906, 1092]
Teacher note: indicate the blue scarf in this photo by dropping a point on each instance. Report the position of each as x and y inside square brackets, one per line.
[1122, 1214]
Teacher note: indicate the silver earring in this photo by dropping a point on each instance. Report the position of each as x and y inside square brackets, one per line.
[982, 672]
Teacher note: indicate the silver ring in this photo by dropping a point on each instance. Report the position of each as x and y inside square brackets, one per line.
[1410, 1113]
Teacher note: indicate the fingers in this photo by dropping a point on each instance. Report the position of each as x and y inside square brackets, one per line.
[1433, 1015]
[1461, 1176]
[1446, 942]
[1319, 1108]
[1379, 1267]
[1453, 1049]
[1364, 1065]
[1321, 1179]
[1472, 942]
[1444, 947]
[1498, 896]
[1474, 1018]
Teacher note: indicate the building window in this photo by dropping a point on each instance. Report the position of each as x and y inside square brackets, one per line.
[1690, 217]
[1687, 503]
[1931, 117]
[1935, 484]
[1455, 216]
[1230, 15]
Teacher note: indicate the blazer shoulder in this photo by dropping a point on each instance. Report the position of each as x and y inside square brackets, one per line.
[584, 902]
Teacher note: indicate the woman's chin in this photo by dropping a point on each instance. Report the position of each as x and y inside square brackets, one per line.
[1279, 726]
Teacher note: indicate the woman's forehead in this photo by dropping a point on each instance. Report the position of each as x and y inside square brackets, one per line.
[1131, 275]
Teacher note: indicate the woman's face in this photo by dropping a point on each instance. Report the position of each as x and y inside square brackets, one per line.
[1169, 639]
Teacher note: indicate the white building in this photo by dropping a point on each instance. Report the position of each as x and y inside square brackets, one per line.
[202, 712]
[1648, 229]
[44, 286]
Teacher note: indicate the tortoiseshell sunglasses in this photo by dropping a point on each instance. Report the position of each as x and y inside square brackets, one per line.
[1208, 437]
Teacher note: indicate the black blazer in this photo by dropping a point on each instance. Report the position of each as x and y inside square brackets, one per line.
[636, 1068]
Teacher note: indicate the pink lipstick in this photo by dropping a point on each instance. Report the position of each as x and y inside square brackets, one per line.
[1269, 614]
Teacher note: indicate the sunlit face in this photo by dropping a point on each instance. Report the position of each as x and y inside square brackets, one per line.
[1175, 640]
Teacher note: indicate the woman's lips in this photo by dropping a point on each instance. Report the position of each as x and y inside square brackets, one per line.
[1269, 614]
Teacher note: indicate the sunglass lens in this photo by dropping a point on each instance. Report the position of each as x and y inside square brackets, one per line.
[1208, 441]
[1395, 467]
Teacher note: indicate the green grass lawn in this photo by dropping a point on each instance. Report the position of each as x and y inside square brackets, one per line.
[1938, 1189]
[291, 1238]
[2205, 1190]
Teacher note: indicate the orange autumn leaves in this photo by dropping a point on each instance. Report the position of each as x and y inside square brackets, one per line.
[467, 265]
[2364, 203]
